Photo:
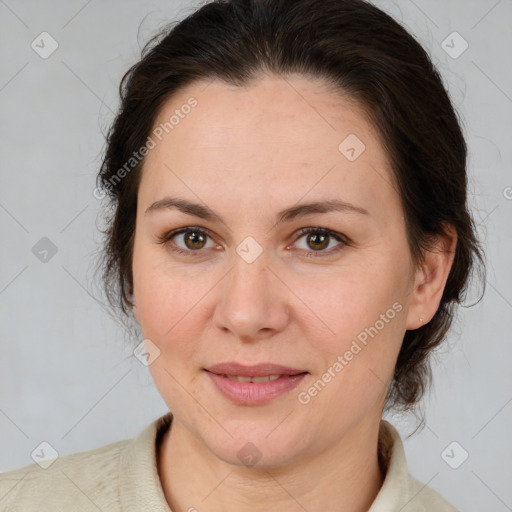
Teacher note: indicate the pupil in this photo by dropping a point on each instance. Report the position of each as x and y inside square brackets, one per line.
[324, 237]
[194, 236]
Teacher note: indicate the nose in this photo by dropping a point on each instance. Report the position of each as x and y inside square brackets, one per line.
[253, 300]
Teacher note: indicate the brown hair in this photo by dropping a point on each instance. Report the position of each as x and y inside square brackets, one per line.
[358, 49]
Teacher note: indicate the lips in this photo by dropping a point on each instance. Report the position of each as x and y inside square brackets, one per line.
[260, 385]
[232, 369]
[254, 385]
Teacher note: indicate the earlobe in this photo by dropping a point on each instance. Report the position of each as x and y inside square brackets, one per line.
[431, 280]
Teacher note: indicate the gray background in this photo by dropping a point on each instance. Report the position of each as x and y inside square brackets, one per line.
[67, 374]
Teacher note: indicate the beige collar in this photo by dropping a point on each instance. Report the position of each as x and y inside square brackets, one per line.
[140, 489]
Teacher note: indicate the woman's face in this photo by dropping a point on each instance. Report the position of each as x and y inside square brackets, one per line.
[251, 288]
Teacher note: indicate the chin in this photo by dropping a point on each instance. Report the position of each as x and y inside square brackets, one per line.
[258, 446]
[257, 456]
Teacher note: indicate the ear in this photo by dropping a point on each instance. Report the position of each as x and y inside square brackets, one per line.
[430, 280]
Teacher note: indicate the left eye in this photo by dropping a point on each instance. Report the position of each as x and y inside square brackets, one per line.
[195, 240]
[320, 238]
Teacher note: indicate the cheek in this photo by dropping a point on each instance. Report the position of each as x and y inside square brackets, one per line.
[357, 361]
[351, 300]
[165, 305]
[167, 313]
[161, 297]
[364, 309]
[171, 313]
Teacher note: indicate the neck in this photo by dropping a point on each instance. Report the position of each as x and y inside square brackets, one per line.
[346, 477]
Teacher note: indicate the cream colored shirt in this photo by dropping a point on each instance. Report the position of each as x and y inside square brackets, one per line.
[123, 476]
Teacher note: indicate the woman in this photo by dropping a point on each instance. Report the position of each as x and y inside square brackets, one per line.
[290, 231]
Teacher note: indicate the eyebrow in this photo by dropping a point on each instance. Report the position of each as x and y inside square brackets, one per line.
[286, 215]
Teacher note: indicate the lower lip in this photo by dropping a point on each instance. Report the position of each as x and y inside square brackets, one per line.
[255, 393]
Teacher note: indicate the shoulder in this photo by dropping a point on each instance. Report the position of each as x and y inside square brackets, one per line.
[80, 481]
[400, 490]
[426, 499]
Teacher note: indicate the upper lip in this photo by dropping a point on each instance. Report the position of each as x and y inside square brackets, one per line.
[259, 370]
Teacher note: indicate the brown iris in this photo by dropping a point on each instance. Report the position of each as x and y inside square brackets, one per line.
[194, 237]
[324, 238]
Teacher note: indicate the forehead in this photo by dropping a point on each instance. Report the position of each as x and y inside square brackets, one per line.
[277, 137]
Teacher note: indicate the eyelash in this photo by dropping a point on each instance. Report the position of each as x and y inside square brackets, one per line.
[166, 240]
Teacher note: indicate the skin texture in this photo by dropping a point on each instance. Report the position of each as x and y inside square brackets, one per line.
[248, 153]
